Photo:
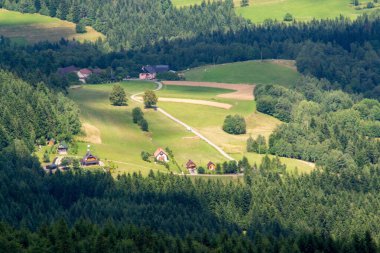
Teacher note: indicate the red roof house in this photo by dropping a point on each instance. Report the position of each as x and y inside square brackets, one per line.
[160, 155]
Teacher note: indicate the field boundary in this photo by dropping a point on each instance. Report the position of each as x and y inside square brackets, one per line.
[242, 91]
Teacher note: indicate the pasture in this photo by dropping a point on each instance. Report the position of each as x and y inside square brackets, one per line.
[32, 28]
[250, 72]
[209, 120]
[122, 141]
[302, 10]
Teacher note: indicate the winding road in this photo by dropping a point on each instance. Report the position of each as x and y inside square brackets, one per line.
[187, 127]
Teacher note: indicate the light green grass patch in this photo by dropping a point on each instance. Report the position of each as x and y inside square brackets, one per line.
[209, 120]
[123, 141]
[33, 28]
[191, 92]
[250, 72]
[302, 10]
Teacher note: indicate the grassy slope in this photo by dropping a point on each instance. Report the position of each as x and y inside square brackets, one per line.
[302, 10]
[32, 28]
[245, 72]
[123, 141]
[208, 120]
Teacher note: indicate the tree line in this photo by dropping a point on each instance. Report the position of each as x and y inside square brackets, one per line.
[34, 114]
[330, 127]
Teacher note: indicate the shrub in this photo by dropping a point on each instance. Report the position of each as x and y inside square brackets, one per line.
[169, 76]
[234, 125]
[144, 125]
[288, 17]
[81, 27]
[46, 157]
[201, 170]
[137, 115]
[370, 5]
[145, 156]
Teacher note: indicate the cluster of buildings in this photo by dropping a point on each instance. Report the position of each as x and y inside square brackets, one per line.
[161, 155]
[82, 74]
[91, 160]
[150, 71]
[62, 149]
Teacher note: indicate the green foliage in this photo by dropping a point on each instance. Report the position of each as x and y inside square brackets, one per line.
[370, 5]
[137, 115]
[80, 27]
[144, 125]
[150, 98]
[201, 170]
[46, 158]
[244, 3]
[138, 118]
[145, 156]
[34, 113]
[234, 125]
[288, 17]
[258, 145]
[329, 129]
[169, 76]
[118, 96]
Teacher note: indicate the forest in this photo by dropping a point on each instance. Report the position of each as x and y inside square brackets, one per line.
[337, 50]
[331, 115]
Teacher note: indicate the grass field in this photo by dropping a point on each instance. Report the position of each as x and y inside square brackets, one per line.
[123, 141]
[302, 10]
[32, 28]
[209, 120]
[251, 72]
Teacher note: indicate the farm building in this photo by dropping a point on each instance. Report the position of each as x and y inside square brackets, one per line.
[150, 71]
[50, 143]
[83, 74]
[62, 148]
[89, 159]
[67, 70]
[211, 165]
[191, 167]
[161, 155]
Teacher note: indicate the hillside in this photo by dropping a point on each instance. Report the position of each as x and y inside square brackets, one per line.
[31, 28]
[302, 10]
[251, 72]
[122, 141]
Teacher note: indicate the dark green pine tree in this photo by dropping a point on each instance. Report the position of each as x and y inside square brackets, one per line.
[244, 3]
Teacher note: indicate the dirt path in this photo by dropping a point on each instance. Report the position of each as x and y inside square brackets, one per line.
[193, 101]
[188, 128]
[242, 91]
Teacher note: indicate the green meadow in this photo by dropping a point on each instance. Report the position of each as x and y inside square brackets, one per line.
[209, 120]
[251, 72]
[25, 28]
[302, 10]
[122, 141]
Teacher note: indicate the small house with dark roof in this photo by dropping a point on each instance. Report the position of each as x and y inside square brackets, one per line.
[211, 165]
[62, 148]
[89, 160]
[191, 167]
[161, 155]
[150, 71]
[67, 70]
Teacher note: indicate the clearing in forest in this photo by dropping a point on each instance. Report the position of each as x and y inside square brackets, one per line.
[122, 141]
[281, 72]
[302, 10]
[25, 28]
[208, 120]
